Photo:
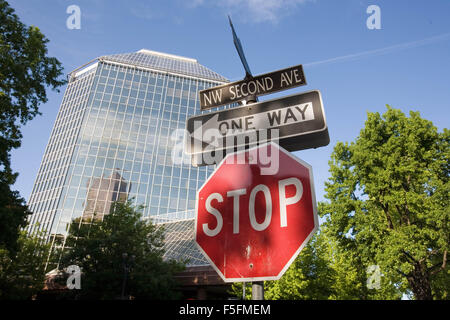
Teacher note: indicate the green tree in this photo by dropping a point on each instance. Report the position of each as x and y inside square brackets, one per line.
[98, 248]
[310, 276]
[323, 271]
[389, 203]
[25, 72]
[350, 276]
[22, 273]
[13, 213]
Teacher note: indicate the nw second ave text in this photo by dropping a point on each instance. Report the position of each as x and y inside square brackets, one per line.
[255, 86]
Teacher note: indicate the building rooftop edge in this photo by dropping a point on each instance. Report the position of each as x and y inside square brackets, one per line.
[93, 63]
[167, 55]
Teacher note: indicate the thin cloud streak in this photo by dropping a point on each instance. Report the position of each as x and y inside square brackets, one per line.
[381, 51]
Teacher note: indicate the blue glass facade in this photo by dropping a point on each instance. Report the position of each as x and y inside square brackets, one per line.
[112, 140]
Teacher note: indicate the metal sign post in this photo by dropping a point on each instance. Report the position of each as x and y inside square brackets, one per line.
[257, 286]
[258, 290]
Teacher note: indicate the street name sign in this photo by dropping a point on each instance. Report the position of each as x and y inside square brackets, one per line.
[252, 86]
[251, 226]
[296, 122]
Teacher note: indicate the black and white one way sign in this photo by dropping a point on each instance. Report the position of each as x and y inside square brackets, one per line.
[298, 119]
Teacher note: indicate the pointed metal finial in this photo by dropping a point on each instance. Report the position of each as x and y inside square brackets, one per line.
[240, 50]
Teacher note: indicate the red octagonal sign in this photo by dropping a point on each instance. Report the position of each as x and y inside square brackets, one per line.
[255, 213]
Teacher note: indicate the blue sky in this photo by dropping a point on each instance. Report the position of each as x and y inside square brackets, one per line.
[405, 64]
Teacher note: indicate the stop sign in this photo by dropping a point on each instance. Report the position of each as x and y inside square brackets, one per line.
[255, 213]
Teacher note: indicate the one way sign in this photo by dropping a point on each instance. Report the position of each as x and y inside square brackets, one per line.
[297, 121]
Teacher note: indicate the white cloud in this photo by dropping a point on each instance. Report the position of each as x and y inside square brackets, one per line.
[255, 10]
[265, 10]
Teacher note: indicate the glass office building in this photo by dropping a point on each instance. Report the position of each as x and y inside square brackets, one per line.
[113, 140]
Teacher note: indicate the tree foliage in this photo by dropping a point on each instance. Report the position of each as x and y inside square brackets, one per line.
[323, 271]
[389, 202]
[13, 213]
[310, 277]
[22, 273]
[98, 248]
[25, 72]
